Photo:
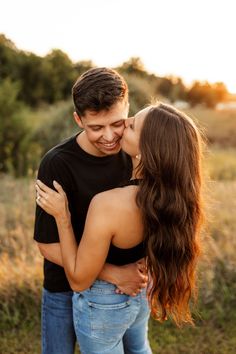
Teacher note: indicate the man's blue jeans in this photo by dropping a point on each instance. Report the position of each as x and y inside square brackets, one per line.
[106, 322]
[58, 335]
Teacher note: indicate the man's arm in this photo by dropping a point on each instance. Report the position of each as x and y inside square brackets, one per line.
[129, 279]
[51, 251]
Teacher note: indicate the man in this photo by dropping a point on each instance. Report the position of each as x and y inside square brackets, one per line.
[84, 165]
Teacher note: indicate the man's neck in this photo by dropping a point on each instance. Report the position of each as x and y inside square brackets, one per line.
[85, 145]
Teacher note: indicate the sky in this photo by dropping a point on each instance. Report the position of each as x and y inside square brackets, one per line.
[191, 39]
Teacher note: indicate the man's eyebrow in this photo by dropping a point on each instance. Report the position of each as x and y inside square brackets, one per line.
[102, 125]
[95, 125]
[118, 121]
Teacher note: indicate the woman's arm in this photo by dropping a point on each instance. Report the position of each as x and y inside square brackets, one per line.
[82, 264]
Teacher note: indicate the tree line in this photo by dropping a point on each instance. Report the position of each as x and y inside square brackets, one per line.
[30, 84]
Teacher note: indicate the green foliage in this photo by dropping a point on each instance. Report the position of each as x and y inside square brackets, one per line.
[25, 68]
[50, 78]
[59, 76]
[21, 306]
[13, 127]
[20, 318]
[140, 92]
[8, 58]
[57, 124]
[30, 74]
[165, 87]
[133, 66]
[47, 79]
[172, 88]
[31, 84]
[82, 66]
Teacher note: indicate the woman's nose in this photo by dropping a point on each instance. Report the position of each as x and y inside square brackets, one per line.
[128, 121]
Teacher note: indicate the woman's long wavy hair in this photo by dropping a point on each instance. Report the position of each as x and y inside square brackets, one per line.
[169, 197]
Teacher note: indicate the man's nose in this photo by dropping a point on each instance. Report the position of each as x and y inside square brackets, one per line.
[108, 135]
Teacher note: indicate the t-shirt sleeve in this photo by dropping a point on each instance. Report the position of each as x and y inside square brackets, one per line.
[45, 228]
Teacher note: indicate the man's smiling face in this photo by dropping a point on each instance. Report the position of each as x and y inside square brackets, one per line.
[103, 130]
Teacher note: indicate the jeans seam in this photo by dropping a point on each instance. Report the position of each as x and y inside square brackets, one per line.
[43, 334]
[109, 306]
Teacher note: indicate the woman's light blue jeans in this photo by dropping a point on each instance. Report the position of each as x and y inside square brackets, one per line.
[106, 322]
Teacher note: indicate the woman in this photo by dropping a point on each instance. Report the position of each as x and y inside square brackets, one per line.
[158, 214]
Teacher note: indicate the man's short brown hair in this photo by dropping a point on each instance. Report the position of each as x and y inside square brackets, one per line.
[98, 89]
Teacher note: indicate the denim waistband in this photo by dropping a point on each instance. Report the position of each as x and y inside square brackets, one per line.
[101, 286]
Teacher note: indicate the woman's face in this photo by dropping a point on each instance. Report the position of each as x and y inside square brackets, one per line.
[133, 126]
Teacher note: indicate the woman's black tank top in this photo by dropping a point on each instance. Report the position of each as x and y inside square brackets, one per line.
[122, 256]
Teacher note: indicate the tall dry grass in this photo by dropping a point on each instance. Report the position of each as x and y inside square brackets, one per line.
[21, 273]
[219, 126]
[19, 257]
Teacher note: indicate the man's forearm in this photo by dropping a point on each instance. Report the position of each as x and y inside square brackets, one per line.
[52, 252]
[108, 273]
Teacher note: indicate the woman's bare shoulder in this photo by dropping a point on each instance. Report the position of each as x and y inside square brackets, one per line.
[115, 198]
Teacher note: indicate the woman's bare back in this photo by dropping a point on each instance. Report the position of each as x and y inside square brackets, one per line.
[124, 215]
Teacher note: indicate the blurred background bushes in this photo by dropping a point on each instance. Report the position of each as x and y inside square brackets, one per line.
[36, 106]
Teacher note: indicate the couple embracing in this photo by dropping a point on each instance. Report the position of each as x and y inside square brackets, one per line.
[117, 220]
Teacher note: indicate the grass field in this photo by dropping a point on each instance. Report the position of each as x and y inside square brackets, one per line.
[215, 315]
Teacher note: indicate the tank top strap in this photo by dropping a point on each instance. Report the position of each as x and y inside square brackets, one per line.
[132, 182]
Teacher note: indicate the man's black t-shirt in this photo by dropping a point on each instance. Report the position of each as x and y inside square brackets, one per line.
[82, 176]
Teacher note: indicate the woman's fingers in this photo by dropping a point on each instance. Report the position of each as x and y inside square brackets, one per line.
[40, 201]
[51, 201]
[141, 264]
[47, 192]
[58, 187]
[43, 187]
[40, 192]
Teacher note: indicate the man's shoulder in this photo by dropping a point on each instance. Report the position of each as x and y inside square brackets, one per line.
[55, 153]
[53, 163]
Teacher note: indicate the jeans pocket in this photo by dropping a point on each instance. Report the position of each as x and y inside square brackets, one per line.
[109, 321]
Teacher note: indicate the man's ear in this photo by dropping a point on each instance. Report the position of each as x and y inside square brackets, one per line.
[78, 120]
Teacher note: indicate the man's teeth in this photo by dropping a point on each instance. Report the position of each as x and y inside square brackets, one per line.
[110, 144]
